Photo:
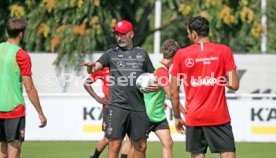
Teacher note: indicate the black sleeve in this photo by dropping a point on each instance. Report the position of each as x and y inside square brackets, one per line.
[104, 59]
[148, 67]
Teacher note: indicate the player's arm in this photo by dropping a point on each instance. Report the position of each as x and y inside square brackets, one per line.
[148, 67]
[102, 62]
[232, 80]
[24, 62]
[230, 69]
[88, 87]
[167, 90]
[174, 89]
[33, 96]
[92, 67]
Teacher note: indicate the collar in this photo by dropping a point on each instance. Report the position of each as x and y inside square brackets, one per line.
[167, 66]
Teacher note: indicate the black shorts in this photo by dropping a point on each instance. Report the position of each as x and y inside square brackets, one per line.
[104, 116]
[121, 122]
[12, 129]
[154, 126]
[219, 139]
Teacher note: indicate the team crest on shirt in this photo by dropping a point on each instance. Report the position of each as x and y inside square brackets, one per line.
[189, 62]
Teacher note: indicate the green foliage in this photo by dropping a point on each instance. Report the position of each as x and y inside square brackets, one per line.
[74, 28]
[271, 31]
[231, 22]
[4, 16]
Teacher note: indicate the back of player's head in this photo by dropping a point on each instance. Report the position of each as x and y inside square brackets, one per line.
[15, 26]
[200, 25]
[169, 48]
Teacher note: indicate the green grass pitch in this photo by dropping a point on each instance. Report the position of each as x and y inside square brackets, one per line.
[82, 149]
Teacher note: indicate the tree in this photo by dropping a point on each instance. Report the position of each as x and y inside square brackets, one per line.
[271, 31]
[80, 27]
[75, 28]
[232, 22]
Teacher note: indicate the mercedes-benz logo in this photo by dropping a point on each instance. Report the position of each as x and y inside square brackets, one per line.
[121, 64]
[189, 62]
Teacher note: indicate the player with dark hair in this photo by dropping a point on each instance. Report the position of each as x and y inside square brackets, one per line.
[155, 101]
[206, 68]
[15, 68]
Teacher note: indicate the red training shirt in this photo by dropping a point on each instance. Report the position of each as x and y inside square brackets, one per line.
[163, 75]
[203, 70]
[104, 76]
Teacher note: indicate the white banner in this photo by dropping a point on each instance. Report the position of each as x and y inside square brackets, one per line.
[253, 120]
[78, 118]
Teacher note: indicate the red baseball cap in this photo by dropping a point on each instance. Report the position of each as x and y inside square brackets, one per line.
[123, 26]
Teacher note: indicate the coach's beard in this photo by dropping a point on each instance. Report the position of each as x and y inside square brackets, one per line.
[126, 45]
[123, 45]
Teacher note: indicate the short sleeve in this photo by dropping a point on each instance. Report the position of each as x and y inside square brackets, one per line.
[176, 67]
[24, 62]
[229, 60]
[97, 75]
[148, 67]
[104, 59]
[163, 76]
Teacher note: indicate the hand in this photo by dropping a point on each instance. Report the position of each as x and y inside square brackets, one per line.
[43, 121]
[90, 66]
[153, 87]
[179, 123]
[103, 100]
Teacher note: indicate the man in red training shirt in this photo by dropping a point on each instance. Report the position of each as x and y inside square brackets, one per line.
[205, 68]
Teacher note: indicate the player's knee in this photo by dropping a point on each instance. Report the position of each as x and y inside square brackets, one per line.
[3, 151]
[140, 146]
[228, 154]
[168, 143]
[114, 146]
